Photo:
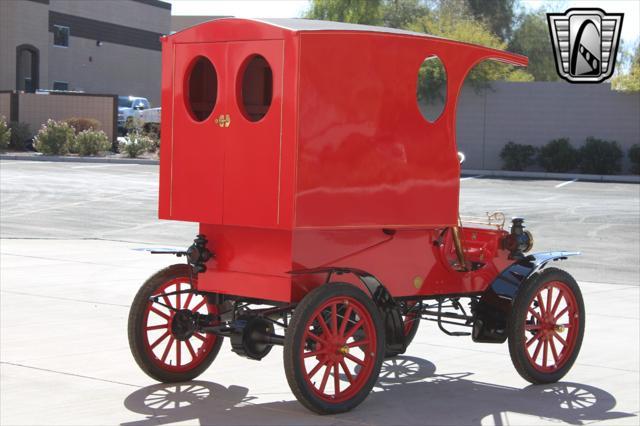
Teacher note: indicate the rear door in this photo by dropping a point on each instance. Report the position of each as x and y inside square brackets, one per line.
[197, 162]
[253, 143]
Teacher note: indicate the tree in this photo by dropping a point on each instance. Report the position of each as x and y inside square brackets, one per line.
[452, 20]
[531, 38]
[629, 81]
[498, 15]
[367, 12]
[402, 13]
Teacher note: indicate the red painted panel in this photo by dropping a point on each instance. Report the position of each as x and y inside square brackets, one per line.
[197, 147]
[253, 150]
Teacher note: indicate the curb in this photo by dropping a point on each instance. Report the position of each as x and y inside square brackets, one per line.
[554, 176]
[61, 159]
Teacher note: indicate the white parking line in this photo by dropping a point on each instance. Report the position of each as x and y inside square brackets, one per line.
[471, 177]
[102, 165]
[560, 185]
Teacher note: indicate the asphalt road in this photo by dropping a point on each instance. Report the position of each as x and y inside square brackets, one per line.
[64, 303]
[119, 202]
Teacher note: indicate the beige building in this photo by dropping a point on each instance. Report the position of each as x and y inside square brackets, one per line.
[106, 46]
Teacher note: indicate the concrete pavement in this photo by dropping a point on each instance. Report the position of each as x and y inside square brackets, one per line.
[64, 357]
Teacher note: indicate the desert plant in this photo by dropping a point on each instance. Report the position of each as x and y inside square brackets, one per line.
[634, 157]
[600, 157]
[54, 138]
[80, 124]
[558, 156]
[5, 133]
[90, 142]
[136, 143]
[20, 135]
[517, 156]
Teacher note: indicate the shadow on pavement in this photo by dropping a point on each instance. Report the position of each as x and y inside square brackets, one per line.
[408, 392]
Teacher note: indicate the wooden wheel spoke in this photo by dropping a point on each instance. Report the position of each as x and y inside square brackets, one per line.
[313, 353]
[315, 337]
[190, 349]
[354, 359]
[159, 313]
[160, 339]
[178, 353]
[358, 343]
[315, 369]
[536, 315]
[345, 320]
[334, 318]
[336, 378]
[178, 306]
[544, 352]
[541, 304]
[533, 339]
[325, 377]
[199, 336]
[166, 350]
[549, 296]
[199, 305]
[188, 301]
[346, 371]
[557, 302]
[562, 312]
[557, 336]
[537, 350]
[531, 327]
[553, 351]
[353, 329]
[156, 327]
[323, 325]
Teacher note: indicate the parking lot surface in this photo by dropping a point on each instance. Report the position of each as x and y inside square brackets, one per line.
[72, 257]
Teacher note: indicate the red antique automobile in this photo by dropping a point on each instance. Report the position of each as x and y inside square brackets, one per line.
[328, 212]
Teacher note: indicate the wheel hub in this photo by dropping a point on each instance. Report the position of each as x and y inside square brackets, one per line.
[183, 324]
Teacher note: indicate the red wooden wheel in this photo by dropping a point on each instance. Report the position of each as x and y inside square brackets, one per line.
[162, 332]
[548, 326]
[334, 348]
[551, 329]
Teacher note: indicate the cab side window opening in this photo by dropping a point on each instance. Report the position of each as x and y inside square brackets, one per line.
[256, 90]
[432, 88]
[202, 89]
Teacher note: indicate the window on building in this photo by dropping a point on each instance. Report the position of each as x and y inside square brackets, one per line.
[60, 85]
[61, 36]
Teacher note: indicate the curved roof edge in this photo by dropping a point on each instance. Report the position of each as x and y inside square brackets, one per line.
[310, 25]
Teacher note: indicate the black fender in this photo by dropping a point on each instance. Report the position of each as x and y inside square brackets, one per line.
[394, 327]
[491, 313]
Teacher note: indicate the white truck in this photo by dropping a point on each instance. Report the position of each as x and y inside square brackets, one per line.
[130, 107]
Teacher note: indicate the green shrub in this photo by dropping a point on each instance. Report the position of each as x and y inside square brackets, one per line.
[90, 142]
[600, 157]
[80, 124]
[558, 156]
[54, 138]
[135, 144]
[5, 133]
[20, 135]
[517, 156]
[634, 157]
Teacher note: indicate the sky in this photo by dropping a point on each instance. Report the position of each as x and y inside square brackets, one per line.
[295, 8]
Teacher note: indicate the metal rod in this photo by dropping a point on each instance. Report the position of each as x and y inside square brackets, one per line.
[455, 232]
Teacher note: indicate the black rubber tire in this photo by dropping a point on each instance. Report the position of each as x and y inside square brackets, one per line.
[293, 341]
[136, 326]
[516, 338]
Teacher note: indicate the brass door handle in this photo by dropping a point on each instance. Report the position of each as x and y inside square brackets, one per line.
[223, 120]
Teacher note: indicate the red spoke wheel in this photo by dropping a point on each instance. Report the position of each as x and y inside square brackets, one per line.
[162, 335]
[547, 326]
[334, 347]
